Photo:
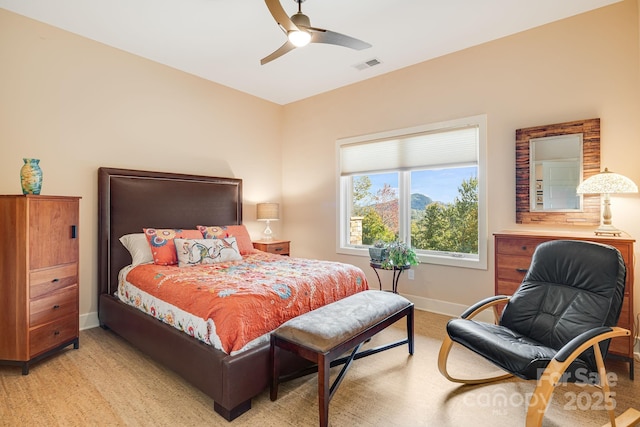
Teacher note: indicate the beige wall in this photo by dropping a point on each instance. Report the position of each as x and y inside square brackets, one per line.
[578, 68]
[78, 105]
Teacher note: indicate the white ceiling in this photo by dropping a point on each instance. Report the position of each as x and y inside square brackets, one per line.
[224, 40]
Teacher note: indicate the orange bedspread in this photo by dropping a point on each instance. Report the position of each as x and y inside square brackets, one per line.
[249, 298]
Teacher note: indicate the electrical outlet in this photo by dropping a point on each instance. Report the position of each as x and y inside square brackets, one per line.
[410, 274]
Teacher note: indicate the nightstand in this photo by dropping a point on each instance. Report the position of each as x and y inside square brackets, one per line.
[280, 247]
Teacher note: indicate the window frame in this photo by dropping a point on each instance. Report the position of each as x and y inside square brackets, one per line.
[344, 195]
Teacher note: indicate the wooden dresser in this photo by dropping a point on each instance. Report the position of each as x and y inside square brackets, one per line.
[513, 251]
[39, 250]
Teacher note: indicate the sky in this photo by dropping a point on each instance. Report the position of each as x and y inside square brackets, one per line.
[440, 185]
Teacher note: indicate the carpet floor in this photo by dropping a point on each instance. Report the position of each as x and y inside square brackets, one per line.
[107, 382]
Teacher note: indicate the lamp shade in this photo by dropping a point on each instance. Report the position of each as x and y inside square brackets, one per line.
[607, 183]
[268, 212]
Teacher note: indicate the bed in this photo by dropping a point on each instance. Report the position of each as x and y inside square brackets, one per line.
[128, 202]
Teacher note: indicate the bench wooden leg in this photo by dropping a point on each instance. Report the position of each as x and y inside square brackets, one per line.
[324, 393]
[410, 326]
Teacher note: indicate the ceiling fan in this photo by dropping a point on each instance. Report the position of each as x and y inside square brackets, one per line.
[300, 32]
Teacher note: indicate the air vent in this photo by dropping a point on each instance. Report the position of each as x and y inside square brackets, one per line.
[367, 64]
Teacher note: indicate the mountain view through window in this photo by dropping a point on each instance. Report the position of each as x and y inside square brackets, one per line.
[443, 208]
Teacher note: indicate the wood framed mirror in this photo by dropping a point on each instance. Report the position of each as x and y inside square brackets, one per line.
[532, 205]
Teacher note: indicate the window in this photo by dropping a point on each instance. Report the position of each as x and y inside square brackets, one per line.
[423, 185]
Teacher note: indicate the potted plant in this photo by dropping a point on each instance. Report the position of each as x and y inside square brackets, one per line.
[399, 254]
[378, 252]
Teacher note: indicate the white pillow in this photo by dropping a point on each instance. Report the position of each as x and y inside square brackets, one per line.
[138, 247]
[206, 251]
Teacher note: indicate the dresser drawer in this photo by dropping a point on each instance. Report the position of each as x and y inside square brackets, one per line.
[280, 248]
[517, 246]
[507, 287]
[512, 267]
[48, 280]
[51, 335]
[53, 306]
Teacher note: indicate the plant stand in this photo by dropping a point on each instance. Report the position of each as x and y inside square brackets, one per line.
[397, 272]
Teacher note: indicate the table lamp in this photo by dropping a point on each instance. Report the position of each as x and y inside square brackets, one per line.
[268, 212]
[607, 183]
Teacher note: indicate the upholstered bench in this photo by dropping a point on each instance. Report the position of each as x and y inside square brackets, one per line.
[327, 333]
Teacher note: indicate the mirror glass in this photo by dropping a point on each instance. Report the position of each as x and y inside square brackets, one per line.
[551, 160]
[556, 169]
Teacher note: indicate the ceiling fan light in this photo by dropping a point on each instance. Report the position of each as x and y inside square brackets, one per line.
[299, 38]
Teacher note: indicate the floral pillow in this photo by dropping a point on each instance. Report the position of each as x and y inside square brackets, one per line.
[162, 246]
[213, 232]
[206, 251]
[238, 231]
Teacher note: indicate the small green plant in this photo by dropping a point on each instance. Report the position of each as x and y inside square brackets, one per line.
[399, 254]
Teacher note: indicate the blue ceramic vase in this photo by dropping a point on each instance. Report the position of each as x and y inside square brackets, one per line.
[31, 176]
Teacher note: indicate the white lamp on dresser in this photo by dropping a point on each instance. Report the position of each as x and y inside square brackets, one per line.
[607, 183]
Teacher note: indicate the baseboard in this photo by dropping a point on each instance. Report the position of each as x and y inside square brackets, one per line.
[89, 320]
[446, 308]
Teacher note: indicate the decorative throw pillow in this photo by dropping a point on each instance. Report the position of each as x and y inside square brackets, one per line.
[206, 251]
[238, 231]
[162, 245]
[213, 232]
[138, 247]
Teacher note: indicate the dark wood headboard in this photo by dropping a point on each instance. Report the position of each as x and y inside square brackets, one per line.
[130, 200]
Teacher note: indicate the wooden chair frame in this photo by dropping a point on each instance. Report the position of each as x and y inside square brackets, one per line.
[554, 371]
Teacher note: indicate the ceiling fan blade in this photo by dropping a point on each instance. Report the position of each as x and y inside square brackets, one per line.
[287, 47]
[281, 17]
[319, 35]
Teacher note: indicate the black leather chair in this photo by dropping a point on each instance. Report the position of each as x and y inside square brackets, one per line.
[555, 328]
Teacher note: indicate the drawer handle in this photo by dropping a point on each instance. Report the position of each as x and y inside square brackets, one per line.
[55, 307]
[56, 333]
[279, 249]
[522, 270]
[524, 248]
[55, 280]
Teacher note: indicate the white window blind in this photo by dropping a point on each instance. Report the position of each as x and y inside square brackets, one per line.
[444, 148]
